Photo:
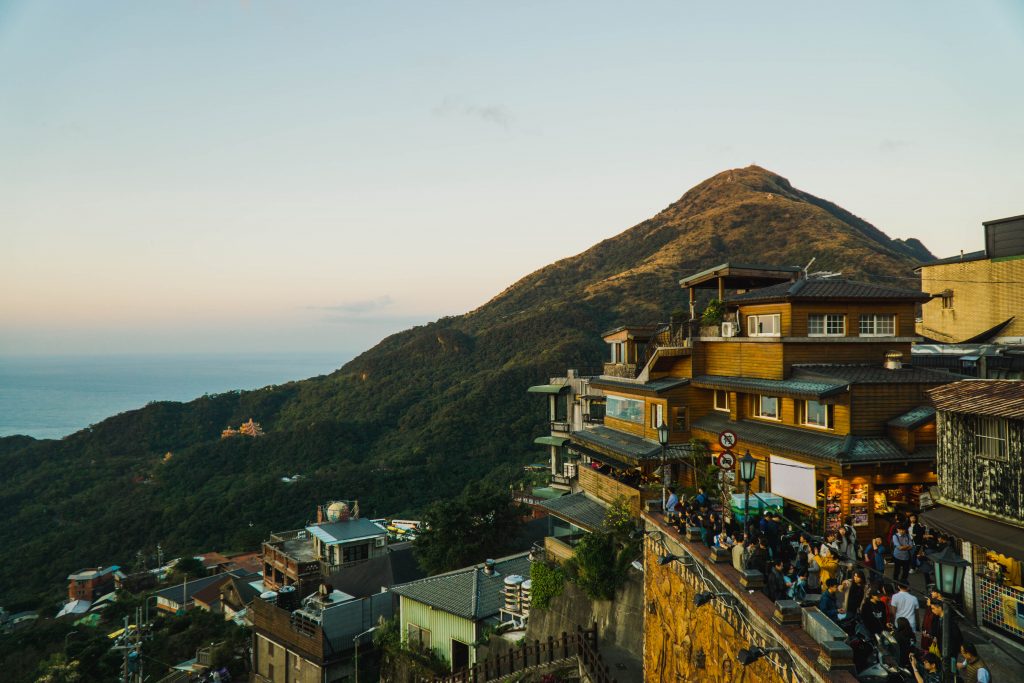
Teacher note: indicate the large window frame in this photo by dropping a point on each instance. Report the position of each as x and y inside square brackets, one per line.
[418, 637]
[826, 325]
[625, 409]
[990, 438]
[657, 415]
[764, 325]
[759, 407]
[722, 405]
[819, 415]
[870, 325]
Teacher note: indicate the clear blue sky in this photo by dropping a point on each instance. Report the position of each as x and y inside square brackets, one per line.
[197, 175]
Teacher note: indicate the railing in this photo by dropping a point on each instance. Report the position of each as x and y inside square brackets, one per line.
[560, 426]
[561, 479]
[557, 550]
[536, 655]
[625, 370]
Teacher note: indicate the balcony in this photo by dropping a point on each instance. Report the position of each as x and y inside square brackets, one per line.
[624, 370]
[609, 490]
[559, 426]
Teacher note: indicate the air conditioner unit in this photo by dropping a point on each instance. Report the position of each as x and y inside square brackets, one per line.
[380, 541]
[729, 329]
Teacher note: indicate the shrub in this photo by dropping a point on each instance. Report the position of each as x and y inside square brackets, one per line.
[547, 582]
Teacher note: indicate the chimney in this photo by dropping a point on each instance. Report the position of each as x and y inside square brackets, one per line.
[319, 514]
[489, 567]
[893, 360]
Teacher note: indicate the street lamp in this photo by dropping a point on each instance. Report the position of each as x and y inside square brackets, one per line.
[950, 569]
[748, 470]
[355, 641]
[663, 440]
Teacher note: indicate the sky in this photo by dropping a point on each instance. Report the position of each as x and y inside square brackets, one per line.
[302, 176]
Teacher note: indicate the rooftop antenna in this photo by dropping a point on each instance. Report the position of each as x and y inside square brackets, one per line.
[822, 274]
[808, 266]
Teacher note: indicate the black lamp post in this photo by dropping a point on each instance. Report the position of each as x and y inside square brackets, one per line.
[950, 570]
[748, 470]
[663, 440]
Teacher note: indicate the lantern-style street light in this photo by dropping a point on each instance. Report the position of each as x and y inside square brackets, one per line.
[950, 570]
[748, 470]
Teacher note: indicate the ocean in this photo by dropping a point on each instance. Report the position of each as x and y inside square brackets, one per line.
[49, 397]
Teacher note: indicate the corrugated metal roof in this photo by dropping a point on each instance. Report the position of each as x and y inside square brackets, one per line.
[548, 388]
[350, 530]
[799, 388]
[618, 443]
[577, 509]
[995, 397]
[842, 449]
[654, 386]
[828, 288]
[874, 373]
[468, 593]
[913, 419]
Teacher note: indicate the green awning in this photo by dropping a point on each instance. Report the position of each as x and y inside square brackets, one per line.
[551, 440]
[548, 388]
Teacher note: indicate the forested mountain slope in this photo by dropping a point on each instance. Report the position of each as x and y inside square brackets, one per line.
[418, 417]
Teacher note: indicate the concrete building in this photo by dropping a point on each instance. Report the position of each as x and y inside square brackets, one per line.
[91, 583]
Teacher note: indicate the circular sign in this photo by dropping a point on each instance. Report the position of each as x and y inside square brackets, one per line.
[727, 438]
[726, 460]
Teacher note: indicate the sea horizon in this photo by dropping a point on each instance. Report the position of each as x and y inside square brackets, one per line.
[51, 396]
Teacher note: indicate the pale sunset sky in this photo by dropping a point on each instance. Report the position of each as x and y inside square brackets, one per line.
[218, 175]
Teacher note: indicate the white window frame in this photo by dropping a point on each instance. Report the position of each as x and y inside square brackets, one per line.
[828, 320]
[718, 406]
[759, 408]
[874, 319]
[990, 437]
[755, 325]
[657, 415]
[829, 415]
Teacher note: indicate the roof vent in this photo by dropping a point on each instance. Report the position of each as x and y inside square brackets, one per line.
[489, 567]
[893, 360]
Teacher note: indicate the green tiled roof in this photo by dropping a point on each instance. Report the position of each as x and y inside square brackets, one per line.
[468, 593]
[626, 446]
[577, 509]
[874, 373]
[654, 386]
[798, 388]
[547, 389]
[913, 419]
[842, 449]
[551, 440]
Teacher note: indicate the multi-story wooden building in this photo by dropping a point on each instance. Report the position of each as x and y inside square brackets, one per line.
[981, 494]
[811, 376]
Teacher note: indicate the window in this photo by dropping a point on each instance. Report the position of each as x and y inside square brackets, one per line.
[628, 409]
[878, 325]
[826, 325]
[947, 298]
[763, 325]
[657, 415]
[766, 407]
[818, 414]
[419, 638]
[270, 648]
[355, 553]
[721, 400]
[990, 437]
[680, 421]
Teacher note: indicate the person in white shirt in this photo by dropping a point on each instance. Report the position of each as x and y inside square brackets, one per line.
[904, 605]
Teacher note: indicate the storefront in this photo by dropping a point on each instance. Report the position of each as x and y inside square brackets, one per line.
[994, 592]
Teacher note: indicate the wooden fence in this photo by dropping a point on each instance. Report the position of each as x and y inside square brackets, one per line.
[581, 646]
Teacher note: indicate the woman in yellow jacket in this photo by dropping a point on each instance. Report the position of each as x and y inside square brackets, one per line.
[829, 565]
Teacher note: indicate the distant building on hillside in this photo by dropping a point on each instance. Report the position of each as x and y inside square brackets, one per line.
[91, 583]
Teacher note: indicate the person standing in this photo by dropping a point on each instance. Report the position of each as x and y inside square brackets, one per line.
[904, 606]
[828, 603]
[872, 615]
[874, 557]
[902, 552]
[930, 664]
[905, 639]
[971, 667]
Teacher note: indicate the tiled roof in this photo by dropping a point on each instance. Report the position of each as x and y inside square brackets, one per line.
[996, 397]
[654, 386]
[874, 374]
[577, 509]
[468, 593]
[350, 530]
[604, 439]
[913, 419]
[188, 590]
[796, 387]
[786, 439]
[828, 288]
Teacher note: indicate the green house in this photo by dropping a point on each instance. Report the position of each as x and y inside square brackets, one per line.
[448, 613]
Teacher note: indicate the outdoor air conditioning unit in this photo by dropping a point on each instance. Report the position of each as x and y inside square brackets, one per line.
[380, 541]
[728, 328]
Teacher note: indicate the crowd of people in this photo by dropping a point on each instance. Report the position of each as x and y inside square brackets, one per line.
[847, 581]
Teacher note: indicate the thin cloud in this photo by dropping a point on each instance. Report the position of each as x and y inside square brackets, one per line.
[894, 145]
[495, 114]
[358, 307]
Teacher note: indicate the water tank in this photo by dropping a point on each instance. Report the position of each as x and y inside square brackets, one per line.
[513, 588]
[269, 596]
[337, 512]
[525, 589]
[288, 598]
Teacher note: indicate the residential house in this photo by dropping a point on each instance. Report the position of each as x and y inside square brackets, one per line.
[981, 500]
[91, 583]
[182, 597]
[572, 405]
[448, 613]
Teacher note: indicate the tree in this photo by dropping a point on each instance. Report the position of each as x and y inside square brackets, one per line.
[59, 670]
[483, 522]
[189, 567]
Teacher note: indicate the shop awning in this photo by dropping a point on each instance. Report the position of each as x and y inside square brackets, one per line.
[548, 388]
[577, 509]
[551, 440]
[618, 444]
[988, 533]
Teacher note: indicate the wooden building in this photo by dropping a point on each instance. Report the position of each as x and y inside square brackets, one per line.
[981, 503]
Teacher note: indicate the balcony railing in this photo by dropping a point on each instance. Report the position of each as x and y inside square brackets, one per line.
[625, 370]
[559, 426]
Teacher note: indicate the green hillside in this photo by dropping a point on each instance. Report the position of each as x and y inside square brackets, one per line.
[418, 417]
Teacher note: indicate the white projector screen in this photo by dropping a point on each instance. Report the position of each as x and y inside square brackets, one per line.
[793, 480]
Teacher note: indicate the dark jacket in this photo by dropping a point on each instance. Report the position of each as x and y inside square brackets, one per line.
[776, 585]
[828, 606]
[757, 560]
[873, 616]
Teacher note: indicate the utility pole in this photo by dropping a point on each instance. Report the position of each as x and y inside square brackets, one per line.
[124, 665]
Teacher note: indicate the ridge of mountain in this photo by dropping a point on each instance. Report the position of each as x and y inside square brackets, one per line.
[419, 416]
